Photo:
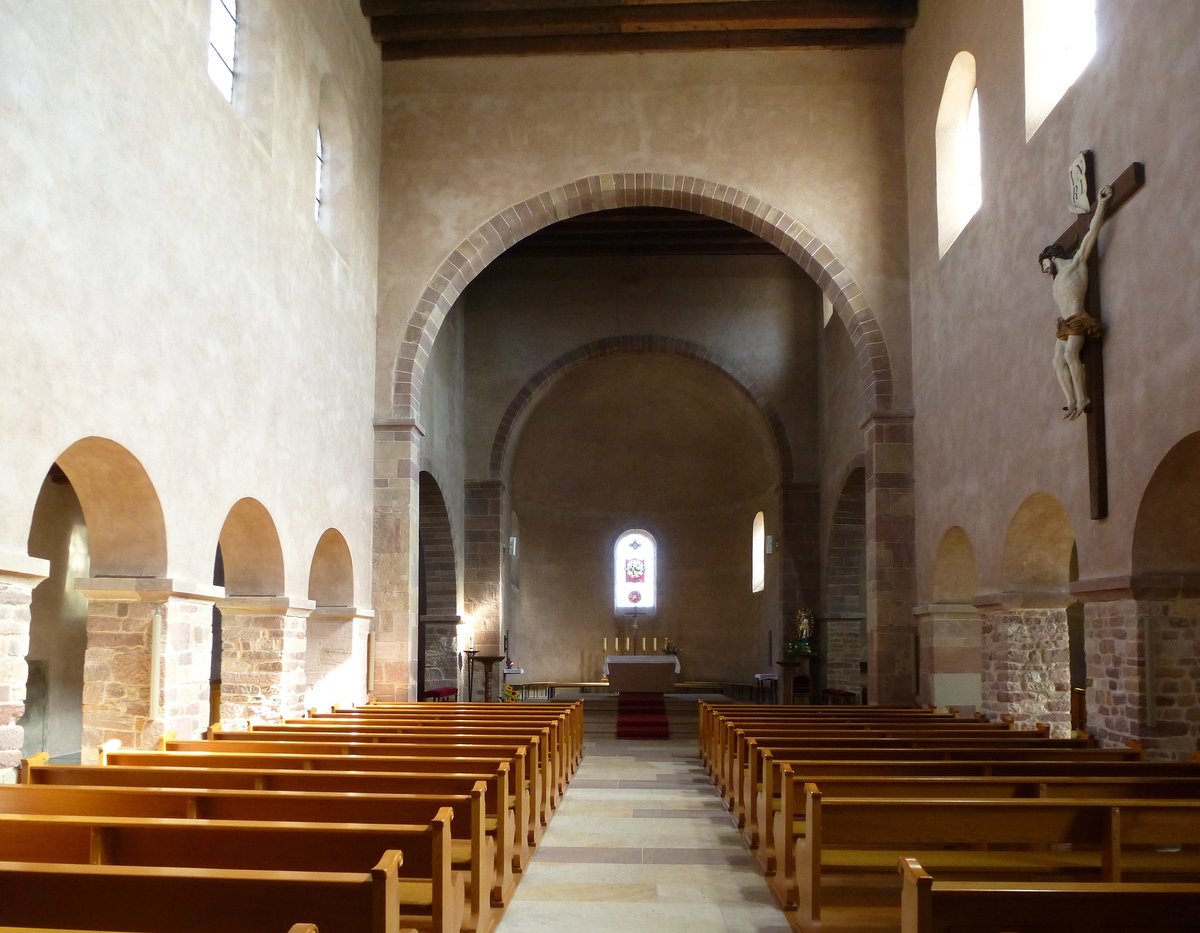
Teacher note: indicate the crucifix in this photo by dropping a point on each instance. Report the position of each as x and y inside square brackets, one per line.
[1072, 261]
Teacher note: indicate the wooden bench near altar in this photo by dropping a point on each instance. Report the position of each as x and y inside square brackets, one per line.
[641, 673]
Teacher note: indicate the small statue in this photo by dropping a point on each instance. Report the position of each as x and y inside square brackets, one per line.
[1069, 287]
[801, 640]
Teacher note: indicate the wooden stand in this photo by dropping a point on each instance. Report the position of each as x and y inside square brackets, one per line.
[489, 662]
[789, 667]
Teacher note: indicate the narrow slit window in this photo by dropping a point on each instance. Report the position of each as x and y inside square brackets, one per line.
[319, 170]
[758, 554]
[222, 45]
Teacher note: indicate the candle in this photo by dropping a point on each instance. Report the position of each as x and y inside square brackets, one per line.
[656, 643]
[606, 644]
[643, 644]
[626, 642]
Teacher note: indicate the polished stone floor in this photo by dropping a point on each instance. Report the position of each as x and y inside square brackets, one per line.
[641, 842]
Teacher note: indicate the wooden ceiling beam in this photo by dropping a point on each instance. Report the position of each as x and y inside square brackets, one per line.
[646, 42]
[395, 22]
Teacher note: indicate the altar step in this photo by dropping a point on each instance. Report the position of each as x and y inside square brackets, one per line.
[600, 716]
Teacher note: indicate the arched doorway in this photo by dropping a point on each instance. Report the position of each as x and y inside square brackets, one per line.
[53, 720]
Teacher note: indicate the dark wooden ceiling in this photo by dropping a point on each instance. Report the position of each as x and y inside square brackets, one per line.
[408, 29]
[641, 231]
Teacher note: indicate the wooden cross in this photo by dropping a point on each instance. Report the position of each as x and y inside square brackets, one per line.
[1128, 183]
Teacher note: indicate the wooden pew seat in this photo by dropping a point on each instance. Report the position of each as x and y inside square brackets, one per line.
[429, 895]
[929, 905]
[59, 896]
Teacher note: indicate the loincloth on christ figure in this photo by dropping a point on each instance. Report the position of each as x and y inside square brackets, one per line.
[1080, 324]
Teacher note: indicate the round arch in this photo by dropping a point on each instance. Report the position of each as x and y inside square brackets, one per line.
[1039, 550]
[541, 381]
[1168, 517]
[642, 189]
[127, 534]
[250, 549]
[955, 576]
[331, 574]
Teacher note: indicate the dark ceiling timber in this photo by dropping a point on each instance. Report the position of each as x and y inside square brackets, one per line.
[408, 29]
[641, 231]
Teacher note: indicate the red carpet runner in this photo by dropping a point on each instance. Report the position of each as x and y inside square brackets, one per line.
[642, 716]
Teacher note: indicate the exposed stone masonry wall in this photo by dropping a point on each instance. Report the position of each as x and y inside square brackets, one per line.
[891, 560]
[1026, 668]
[1143, 662]
[262, 664]
[116, 675]
[15, 598]
[186, 663]
[843, 648]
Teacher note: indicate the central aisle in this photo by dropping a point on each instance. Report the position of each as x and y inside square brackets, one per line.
[641, 842]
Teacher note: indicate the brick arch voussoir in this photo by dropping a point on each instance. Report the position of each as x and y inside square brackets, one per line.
[634, 189]
[540, 381]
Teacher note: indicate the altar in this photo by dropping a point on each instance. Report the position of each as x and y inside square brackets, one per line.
[641, 673]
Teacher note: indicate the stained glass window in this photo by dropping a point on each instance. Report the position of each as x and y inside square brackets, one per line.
[635, 572]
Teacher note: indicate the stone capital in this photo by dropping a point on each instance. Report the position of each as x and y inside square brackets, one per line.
[145, 589]
[400, 426]
[254, 606]
[1023, 599]
[956, 611]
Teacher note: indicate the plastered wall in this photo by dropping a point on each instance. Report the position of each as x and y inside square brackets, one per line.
[989, 430]
[813, 133]
[165, 285]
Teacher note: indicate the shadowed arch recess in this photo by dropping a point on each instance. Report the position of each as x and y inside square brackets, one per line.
[126, 530]
[642, 189]
[611, 346]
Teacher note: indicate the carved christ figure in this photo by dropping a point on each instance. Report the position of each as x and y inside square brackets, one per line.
[1069, 276]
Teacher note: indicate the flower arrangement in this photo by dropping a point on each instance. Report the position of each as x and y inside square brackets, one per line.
[669, 647]
[509, 694]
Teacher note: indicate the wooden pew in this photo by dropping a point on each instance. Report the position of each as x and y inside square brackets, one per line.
[929, 905]
[731, 752]
[560, 753]
[539, 766]
[430, 895]
[499, 818]
[789, 821]
[178, 900]
[715, 717]
[566, 718]
[845, 863]
[522, 755]
[473, 853]
[426, 764]
[743, 768]
[1052, 764]
[750, 796]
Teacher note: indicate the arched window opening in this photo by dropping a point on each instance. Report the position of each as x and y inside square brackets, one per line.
[758, 554]
[959, 152]
[635, 573]
[1060, 41]
[222, 45]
